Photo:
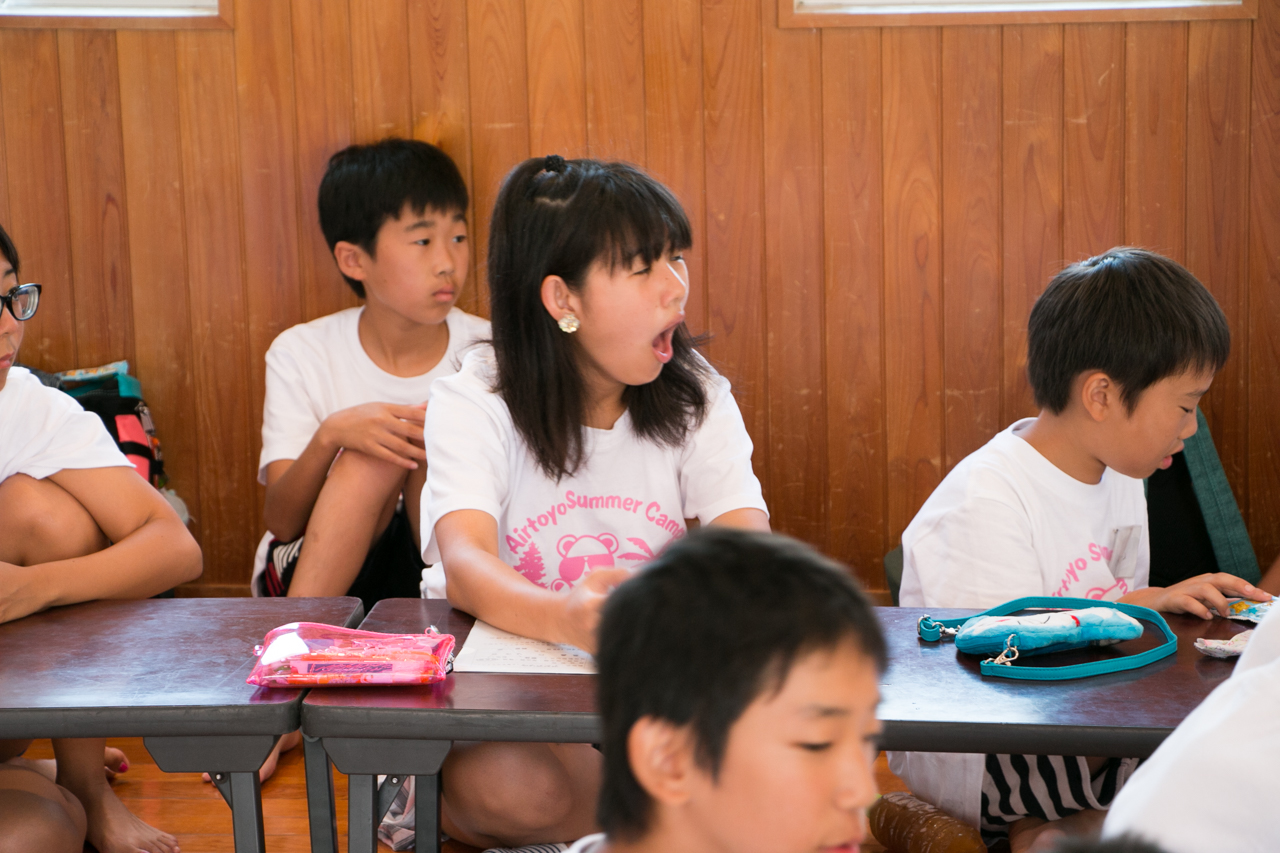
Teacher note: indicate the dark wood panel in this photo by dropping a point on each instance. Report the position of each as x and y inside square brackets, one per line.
[971, 128]
[673, 133]
[793, 279]
[912, 268]
[732, 133]
[853, 250]
[212, 208]
[440, 85]
[268, 186]
[557, 79]
[95, 182]
[380, 69]
[1092, 139]
[322, 73]
[1032, 193]
[499, 111]
[1218, 218]
[1264, 285]
[4, 158]
[614, 39]
[1156, 137]
[37, 173]
[152, 151]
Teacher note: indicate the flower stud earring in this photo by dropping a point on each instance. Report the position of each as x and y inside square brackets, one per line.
[569, 323]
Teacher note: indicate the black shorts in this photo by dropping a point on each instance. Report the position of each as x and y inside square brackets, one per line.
[392, 568]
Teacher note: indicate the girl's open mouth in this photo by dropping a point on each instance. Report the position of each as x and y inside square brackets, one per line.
[662, 347]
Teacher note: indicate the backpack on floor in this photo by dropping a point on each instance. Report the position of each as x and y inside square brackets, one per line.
[116, 397]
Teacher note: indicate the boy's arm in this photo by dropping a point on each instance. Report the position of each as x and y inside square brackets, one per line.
[152, 550]
[382, 430]
[487, 588]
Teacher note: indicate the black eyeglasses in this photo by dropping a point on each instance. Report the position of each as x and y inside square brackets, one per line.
[22, 301]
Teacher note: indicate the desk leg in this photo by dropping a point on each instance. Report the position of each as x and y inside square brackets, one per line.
[362, 814]
[320, 809]
[246, 812]
[426, 800]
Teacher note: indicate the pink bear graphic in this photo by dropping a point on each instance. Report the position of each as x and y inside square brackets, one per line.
[582, 555]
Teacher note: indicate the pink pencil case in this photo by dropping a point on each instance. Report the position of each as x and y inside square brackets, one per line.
[309, 654]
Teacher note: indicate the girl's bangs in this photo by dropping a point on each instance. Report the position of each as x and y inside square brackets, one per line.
[633, 218]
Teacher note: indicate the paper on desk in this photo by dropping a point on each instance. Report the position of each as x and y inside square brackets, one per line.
[490, 649]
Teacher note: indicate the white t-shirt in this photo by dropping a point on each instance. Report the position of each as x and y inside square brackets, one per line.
[44, 431]
[1213, 784]
[1007, 523]
[629, 499]
[588, 844]
[318, 368]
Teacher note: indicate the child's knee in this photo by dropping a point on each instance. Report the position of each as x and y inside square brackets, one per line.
[366, 474]
[44, 522]
[513, 789]
[30, 822]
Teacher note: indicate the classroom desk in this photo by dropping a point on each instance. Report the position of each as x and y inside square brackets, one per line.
[171, 671]
[931, 702]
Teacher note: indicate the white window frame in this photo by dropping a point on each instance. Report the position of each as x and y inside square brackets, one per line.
[881, 13]
[117, 14]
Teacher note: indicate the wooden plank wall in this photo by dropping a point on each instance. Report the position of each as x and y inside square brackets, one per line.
[875, 211]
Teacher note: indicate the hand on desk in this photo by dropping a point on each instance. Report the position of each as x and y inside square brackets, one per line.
[580, 615]
[1202, 595]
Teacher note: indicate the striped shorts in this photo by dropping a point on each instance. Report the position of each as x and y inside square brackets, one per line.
[1045, 786]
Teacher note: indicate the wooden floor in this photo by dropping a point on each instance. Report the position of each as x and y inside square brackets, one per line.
[192, 810]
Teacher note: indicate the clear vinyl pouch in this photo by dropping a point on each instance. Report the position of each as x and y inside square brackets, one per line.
[311, 654]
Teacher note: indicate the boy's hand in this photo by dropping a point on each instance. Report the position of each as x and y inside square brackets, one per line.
[384, 431]
[1202, 595]
[581, 614]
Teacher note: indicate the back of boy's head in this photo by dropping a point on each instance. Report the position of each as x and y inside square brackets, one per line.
[365, 185]
[1136, 316]
[708, 627]
[9, 250]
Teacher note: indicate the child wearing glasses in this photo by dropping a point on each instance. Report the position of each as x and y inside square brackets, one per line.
[77, 523]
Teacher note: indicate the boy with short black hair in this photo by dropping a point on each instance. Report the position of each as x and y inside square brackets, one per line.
[342, 445]
[1121, 348]
[738, 691]
[77, 524]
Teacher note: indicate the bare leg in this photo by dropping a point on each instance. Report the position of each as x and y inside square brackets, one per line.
[510, 794]
[413, 502]
[41, 522]
[36, 814]
[354, 507]
[114, 761]
[112, 828]
[1033, 835]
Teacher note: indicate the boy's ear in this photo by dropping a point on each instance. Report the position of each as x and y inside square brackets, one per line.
[1099, 395]
[352, 260]
[557, 298]
[662, 760]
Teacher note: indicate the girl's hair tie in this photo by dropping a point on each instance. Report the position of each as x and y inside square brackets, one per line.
[553, 163]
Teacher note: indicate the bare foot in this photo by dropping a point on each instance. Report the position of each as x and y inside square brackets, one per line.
[115, 829]
[268, 768]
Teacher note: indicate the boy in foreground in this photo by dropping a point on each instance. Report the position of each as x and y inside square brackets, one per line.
[738, 690]
[77, 523]
[1121, 348]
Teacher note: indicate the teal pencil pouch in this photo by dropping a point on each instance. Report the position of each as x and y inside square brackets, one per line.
[1047, 631]
[1051, 628]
